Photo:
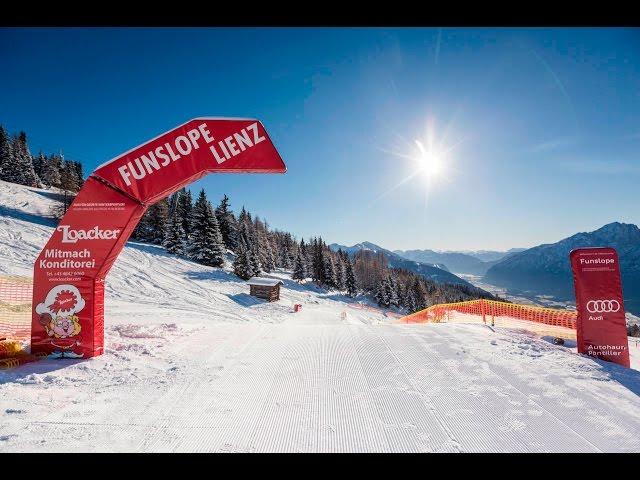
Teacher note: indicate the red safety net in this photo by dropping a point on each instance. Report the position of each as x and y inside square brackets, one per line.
[490, 310]
[15, 308]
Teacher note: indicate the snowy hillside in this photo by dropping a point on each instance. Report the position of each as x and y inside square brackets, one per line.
[192, 363]
[145, 278]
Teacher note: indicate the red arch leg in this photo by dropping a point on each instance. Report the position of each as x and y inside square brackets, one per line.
[68, 293]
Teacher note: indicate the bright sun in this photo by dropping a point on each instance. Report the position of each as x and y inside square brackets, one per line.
[429, 161]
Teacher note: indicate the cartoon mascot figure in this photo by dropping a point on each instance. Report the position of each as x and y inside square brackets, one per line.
[58, 316]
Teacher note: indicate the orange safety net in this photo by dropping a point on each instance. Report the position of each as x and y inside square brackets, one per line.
[492, 308]
[15, 308]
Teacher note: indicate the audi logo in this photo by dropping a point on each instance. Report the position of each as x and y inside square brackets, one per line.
[603, 306]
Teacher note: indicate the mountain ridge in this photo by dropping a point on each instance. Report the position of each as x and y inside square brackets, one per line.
[458, 261]
[545, 268]
[427, 270]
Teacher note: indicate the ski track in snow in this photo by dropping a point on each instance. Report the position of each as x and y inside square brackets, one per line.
[193, 363]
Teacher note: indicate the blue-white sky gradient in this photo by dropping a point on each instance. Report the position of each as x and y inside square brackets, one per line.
[541, 126]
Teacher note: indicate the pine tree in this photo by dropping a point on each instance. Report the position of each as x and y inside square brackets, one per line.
[381, 295]
[310, 258]
[26, 161]
[241, 264]
[262, 246]
[283, 257]
[244, 216]
[205, 242]
[299, 270]
[271, 254]
[318, 261]
[245, 264]
[254, 262]
[69, 180]
[139, 233]
[156, 223]
[39, 163]
[286, 251]
[341, 270]
[351, 286]
[246, 235]
[268, 256]
[6, 154]
[50, 169]
[79, 174]
[172, 203]
[144, 231]
[70, 174]
[392, 291]
[19, 168]
[329, 271]
[419, 294]
[174, 236]
[401, 293]
[228, 224]
[184, 205]
[410, 302]
[304, 251]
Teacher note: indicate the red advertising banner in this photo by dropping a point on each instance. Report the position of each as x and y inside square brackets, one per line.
[69, 274]
[174, 159]
[85, 243]
[601, 326]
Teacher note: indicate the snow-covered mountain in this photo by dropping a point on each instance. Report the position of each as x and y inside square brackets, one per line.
[545, 269]
[491, 255]
[467, 262]
[376, 248]
[433, 271]
[456, 262]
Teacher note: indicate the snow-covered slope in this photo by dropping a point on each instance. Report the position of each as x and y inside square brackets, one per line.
[192, 363]
[24, 226]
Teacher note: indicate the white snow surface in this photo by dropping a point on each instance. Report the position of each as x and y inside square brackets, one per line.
[193, 363]
[263, 282]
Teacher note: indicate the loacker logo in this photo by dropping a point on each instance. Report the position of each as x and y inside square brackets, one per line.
[603, 306]
[72, 236]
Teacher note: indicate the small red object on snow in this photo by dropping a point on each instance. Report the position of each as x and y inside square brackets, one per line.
[297, 307]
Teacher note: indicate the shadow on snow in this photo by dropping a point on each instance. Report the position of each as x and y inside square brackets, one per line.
[27, 217]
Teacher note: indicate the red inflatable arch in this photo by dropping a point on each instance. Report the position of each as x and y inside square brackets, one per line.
[69, 274]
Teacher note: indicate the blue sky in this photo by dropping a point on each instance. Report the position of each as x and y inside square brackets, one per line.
[538, 130]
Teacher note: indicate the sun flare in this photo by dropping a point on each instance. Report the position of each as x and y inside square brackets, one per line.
[429, 162]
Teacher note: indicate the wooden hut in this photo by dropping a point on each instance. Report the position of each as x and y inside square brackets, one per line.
[267, 288]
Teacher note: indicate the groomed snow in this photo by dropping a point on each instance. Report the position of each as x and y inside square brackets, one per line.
[193, 363]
